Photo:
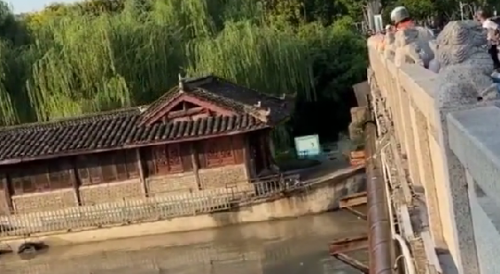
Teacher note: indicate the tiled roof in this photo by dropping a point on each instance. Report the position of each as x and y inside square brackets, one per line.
[124, 128]
[110, 131]
[231, 96]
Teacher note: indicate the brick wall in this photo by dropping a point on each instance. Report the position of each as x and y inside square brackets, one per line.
[223, 176]
[112, 192]
[215, 178]
[175, 183]
[52, 200]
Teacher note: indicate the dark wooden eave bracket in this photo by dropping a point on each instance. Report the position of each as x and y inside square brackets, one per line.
[165, 109]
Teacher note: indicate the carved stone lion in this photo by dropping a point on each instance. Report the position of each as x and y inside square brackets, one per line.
[412, 46]
[466, 66]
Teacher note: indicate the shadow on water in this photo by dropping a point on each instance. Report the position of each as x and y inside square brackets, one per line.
[346, 189]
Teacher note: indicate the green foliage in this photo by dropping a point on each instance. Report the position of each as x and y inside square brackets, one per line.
[100, 55]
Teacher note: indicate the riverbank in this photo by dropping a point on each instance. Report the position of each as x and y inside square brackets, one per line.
[296, 245]
[315, 196]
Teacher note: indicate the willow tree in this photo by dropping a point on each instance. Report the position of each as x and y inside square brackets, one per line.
[80, 60]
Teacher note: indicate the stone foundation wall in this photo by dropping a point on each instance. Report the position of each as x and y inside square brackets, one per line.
[134, 218]
[175, 183]
[52, 200]
[210, 179]
[223, 176]
[112, 192]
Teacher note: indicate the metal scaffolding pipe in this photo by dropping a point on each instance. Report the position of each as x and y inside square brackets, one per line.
[405, 250]
[379, 223]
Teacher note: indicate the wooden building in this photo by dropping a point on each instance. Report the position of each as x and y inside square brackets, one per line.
[204, 133]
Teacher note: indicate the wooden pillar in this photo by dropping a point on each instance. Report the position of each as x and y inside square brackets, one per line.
[249, 165]
[77, 182]
[263, 150]
[140, 167]
[269, 147]
[196, 166]
[6, 183]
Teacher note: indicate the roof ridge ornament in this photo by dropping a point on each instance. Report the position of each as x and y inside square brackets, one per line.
[181, 84]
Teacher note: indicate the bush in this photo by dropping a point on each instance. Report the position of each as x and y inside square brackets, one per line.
[295, 164]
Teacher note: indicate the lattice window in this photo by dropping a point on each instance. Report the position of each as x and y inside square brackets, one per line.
[39, 178]
[83, 170]
[23, 183]
[107, 167]
[174, 158]
[219, 152]
[161, 160]
[131, 164]
[167, 159]
[60, 174]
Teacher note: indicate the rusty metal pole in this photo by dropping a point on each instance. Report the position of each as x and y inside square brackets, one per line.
[380, 243]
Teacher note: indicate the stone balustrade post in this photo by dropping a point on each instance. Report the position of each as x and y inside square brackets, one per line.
[463, 78]
[473, 140]
[433, 116]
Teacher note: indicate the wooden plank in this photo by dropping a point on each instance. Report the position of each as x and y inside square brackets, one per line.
[352, 262]
[353, 200]
[348, 244]
[357, 213]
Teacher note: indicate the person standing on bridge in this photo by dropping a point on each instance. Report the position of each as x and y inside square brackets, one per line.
[492, 28]
[404, 23]
[401, 18]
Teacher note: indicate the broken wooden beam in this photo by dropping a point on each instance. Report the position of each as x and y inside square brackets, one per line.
[352, 262]
[353, 200]
[360, 214]
[348, 244]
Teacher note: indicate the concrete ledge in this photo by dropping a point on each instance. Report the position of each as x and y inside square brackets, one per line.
[487, 236]
[475, 139]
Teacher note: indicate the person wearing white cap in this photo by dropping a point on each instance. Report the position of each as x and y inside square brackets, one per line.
[402, 21]
[401, 18]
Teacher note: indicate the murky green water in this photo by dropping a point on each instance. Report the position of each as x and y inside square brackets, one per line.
[289, 246]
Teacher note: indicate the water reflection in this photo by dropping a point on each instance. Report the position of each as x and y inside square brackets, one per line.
[290, 246]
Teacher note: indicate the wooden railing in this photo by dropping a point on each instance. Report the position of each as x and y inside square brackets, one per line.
[159, 207]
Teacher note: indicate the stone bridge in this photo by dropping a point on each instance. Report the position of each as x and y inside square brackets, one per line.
[438, 140]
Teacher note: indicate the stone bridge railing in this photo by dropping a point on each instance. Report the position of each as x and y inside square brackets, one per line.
[448, 130]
